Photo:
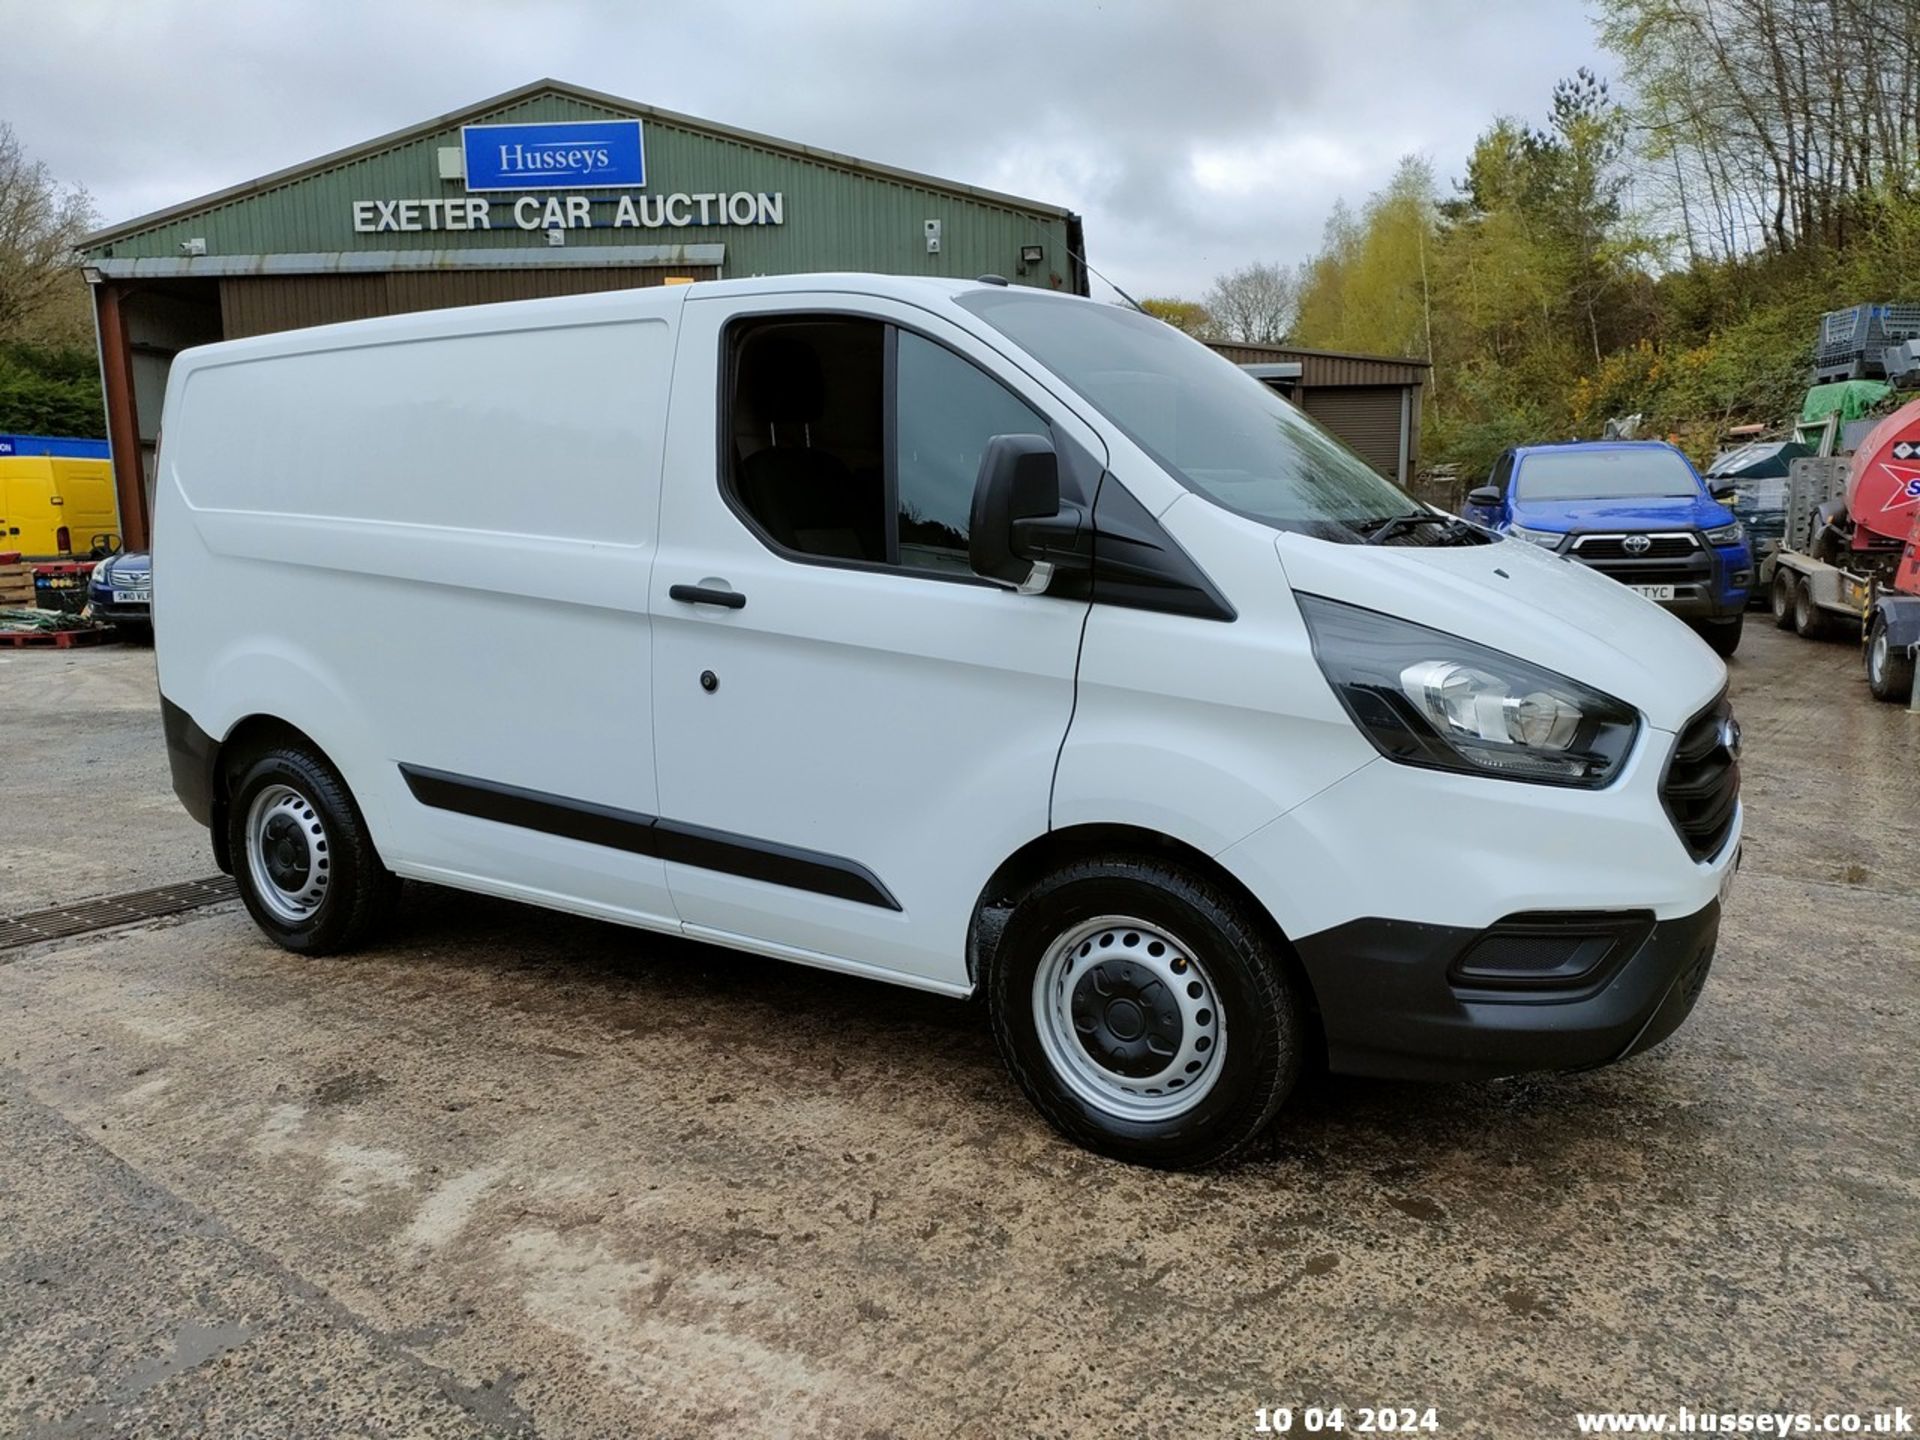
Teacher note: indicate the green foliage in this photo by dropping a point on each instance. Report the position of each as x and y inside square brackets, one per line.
[50, 391]
[1187, 315]
[1549, 305]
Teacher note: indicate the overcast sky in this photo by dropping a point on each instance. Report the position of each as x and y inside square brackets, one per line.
[1193, 135]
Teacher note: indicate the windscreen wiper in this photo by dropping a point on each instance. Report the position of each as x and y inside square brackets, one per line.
[1379, 531]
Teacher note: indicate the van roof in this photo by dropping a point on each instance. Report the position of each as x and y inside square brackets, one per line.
[650, 300]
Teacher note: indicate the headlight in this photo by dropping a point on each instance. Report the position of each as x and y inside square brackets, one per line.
[1734, 534]
[101, 575]
[1546, 539]
[1430, 699]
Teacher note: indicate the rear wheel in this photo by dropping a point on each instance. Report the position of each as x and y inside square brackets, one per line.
[1781, 597]
[1723, 635]
[1144, 1011]
[1889, 670]
[1809, 620]
[306, 866]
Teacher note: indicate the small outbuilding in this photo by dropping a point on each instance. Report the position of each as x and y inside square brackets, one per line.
[1371, 402]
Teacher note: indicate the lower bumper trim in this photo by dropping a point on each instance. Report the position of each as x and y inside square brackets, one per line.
[1390, 1010]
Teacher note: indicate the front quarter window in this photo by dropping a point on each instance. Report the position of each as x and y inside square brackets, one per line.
[1214, 428]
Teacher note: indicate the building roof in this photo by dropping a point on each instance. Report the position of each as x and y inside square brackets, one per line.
[1328, 368]
[614, 104]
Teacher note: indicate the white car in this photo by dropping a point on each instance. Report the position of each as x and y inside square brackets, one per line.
[953, 634]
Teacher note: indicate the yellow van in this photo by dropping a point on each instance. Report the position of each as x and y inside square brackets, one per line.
[56, 497]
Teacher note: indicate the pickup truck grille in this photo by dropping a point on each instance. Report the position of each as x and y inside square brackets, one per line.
[1656, 573]
[1702, 786]
[1615, 547]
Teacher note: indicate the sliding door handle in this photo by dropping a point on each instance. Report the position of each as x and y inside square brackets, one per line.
[706, 595]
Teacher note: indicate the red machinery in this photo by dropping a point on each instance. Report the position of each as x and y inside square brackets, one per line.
[1883, 488]
[1883, 503]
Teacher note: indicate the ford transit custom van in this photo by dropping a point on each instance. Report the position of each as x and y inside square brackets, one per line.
[968, 637]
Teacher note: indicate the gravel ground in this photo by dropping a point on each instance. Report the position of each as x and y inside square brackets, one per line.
[516, 1173]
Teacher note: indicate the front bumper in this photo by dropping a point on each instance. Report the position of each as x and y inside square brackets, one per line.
[1394, 1003]
[1708, 583]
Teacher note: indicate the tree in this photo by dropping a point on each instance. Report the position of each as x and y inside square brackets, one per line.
[40, 224]
[1188, 315]
[1369, 288]
[1254, 304]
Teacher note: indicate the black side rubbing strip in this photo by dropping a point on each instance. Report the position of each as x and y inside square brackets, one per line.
[765, 860]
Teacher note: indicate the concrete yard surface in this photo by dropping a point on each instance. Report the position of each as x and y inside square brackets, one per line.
[515, 1173]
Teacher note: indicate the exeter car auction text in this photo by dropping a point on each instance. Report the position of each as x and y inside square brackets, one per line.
[572, 212]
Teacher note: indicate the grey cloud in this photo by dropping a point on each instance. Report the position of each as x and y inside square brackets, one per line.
[1194, 137]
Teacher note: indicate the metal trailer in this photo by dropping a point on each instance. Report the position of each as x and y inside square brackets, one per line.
[1808, 595]
[1814, 597]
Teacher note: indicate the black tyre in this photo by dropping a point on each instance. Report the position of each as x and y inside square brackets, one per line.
[1145, 1012]
[1889, 670]
[1781, 599]
[1809, 620]
[1723, 635]
[305, 864]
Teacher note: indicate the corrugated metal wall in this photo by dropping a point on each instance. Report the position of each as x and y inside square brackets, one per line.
[1366, 418]
[837, 216]
[262, 304]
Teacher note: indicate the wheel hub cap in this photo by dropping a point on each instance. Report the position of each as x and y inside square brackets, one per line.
[1129, 1018]
[287, 856]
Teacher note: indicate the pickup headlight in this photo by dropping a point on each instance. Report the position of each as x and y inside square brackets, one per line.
[1734, 534]
[1545, 539]
[1435, 700]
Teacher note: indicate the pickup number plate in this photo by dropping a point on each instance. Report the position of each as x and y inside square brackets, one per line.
[1654, 592]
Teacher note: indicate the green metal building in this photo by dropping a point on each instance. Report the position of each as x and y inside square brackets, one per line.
[458, 210]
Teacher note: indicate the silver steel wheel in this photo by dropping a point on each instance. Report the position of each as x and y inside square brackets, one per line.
[1129, 1019]
[287, 853]
[1877, 657]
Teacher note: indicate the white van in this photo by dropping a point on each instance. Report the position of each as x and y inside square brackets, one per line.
[969, 637]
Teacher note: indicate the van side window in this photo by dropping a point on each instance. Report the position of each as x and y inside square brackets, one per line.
[855, 440]
[809, 462]
[946, 411]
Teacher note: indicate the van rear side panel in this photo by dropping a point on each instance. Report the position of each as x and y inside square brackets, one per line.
[427, 541]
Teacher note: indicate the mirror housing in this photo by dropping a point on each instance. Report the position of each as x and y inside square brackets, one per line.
[1484, 497]
[1721, 488]
[1020, 532]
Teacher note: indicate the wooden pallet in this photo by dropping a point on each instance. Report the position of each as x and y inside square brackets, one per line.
[16, 585]
[53, 639]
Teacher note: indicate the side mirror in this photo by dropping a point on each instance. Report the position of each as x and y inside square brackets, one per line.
[1020, 533]
[1484, 497]
[1722, 488]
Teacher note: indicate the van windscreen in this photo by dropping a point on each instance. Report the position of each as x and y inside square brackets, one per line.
[1215, 428]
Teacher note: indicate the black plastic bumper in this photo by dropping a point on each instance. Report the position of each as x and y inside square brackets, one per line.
[1403, 1000]
[190, 752]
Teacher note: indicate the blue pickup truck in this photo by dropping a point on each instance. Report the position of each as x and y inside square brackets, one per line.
[1635, 510]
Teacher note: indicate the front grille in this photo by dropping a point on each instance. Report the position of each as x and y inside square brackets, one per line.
[1702, 786]
[1614, 547]
[1656, 574]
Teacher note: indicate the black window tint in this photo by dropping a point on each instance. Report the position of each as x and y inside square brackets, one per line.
[947, 411]
[807, 436]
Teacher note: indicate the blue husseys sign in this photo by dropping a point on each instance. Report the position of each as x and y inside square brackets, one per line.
[567, 155]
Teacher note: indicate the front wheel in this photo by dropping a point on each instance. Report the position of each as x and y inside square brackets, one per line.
[305, 864]
[1144, 1011]
[1889, 670]
[1723, 635]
